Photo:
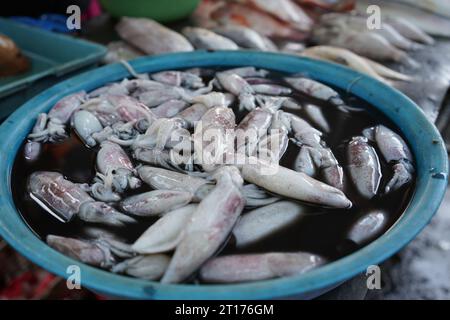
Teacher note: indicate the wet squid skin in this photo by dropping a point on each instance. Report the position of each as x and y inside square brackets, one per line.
[396, 152]
[256, 123]
[58, 117]
[106, 114]
[68, 200]
[110, 108]
[367, 227]
[105, 253]
[90, 252]
[266, 221]
[199, 187]
[223, 119]
[199, 204]
[86, 126]
[148, 267]
[170, 108]
[364, 167]
[317, 117]
[246, 37]
[179, 79]
[316, 90]
[209, 40]
[151, 37]
[115, 173]
[163, 179]
[51, 126]
[166, 233]
[252, 267]
[238, 86]
[292, 184]
[314, 155]
[219, 121]
[155, 202]
[208, 226]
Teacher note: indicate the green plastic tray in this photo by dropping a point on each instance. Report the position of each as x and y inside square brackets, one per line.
[53, 57]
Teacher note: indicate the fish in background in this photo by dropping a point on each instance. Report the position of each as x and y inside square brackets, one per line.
[356, 62]
[277, 19]
[258, 20]
[328, 5]
[392, 42]
[430, 23]
[366, 44]
[285, 25]
[251, 24]
[151, 37]
[284, 10]
[299, 14]
[441, 7]
[246, 37]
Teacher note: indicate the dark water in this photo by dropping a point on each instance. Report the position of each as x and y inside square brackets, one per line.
[322, 231]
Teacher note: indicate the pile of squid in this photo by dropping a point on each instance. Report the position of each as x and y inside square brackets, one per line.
[390, 41]
[136, 126]
[281, 26]
[246, 23]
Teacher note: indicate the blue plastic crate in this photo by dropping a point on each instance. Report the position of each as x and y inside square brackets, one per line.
[53, 58]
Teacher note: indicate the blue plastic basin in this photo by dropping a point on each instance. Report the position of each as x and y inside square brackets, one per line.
[424, 139]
